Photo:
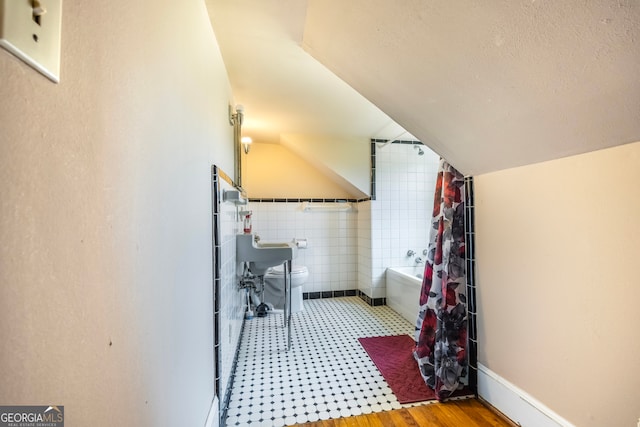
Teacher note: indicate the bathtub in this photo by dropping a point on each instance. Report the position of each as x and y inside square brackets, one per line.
[403, 290]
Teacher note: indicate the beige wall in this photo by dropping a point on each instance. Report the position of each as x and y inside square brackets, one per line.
[558, 291]
[105, 223]
[273, 171]
[346, 160]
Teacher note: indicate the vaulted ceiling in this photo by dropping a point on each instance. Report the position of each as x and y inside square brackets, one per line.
[488, 85]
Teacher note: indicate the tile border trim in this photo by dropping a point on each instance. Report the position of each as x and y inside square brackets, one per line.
[373, 302]
[306, 199]
[329, 294]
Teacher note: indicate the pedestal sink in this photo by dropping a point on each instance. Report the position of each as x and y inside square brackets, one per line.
[262, 256]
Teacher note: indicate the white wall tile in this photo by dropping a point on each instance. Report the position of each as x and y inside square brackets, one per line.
[349, 250]
[401, 212]
[231, 300]
[331, 236]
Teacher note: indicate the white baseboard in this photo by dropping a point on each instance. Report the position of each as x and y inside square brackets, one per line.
[519, 406]
[213, 417]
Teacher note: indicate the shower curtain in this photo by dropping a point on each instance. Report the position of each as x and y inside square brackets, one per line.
[441, 327]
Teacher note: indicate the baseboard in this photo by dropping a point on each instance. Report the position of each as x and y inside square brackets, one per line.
[213, 419]
[519, 406]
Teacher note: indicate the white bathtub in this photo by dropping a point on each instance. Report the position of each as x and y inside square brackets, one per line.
[403, 290]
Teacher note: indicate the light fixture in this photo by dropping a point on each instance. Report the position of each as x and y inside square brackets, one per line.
[246, 143]
[235, 119]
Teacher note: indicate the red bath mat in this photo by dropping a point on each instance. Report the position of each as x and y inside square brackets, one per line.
[393, 356]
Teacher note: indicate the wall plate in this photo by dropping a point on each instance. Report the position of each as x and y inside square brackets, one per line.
[32, 37]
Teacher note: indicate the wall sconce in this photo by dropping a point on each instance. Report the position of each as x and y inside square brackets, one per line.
[246, 143]
[237, 117]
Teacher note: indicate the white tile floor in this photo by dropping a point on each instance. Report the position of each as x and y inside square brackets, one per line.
[326, 374]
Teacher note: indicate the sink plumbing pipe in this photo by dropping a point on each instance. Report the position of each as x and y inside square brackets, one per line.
[248, 283]
[257, 300]
[247, 280]
[254, 286]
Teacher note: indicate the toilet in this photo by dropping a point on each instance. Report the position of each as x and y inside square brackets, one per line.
[274, 287]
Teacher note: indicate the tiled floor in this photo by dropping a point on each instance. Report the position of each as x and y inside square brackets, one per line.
[326, 374]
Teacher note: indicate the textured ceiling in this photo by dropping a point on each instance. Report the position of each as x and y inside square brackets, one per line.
[283, 89]
[486, 84]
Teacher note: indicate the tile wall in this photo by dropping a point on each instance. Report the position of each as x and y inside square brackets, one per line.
[351, 250]
[332, 252]
[229, 301]
[364, 247]
[470, 240]
[401, 209]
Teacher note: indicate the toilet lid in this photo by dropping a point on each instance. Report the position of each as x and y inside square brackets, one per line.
[279, 269]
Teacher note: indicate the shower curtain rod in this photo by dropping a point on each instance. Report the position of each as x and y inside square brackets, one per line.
[389, 141]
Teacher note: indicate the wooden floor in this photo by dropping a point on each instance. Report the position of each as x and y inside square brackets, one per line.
[459, 413]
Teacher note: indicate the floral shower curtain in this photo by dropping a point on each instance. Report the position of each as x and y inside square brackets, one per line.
[441, 327]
